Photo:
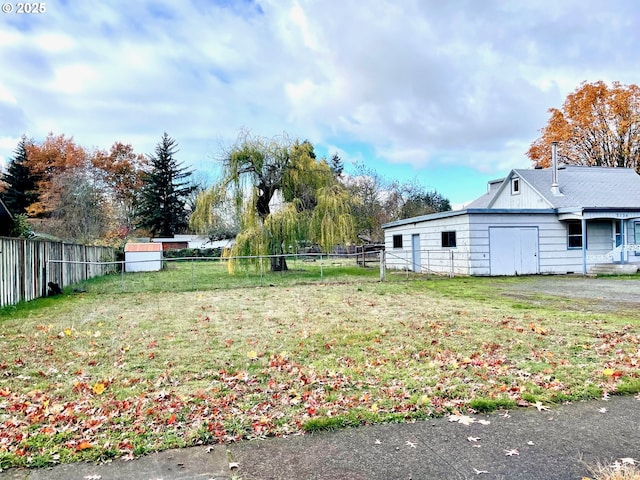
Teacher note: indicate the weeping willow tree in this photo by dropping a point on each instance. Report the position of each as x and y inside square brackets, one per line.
[284, 197]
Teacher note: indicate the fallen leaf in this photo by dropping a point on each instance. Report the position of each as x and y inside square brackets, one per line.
[530, 443]
[83, 445]
[484, 422]
[512, 452]
[602, 410]
[540, 406]
[233, 465]
[410, 444]
[462, 419]
[479, 472]
[252, 355]
[98, 388]
[378, 442]
[473, 439]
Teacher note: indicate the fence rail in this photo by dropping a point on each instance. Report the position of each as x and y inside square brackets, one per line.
[26, 266]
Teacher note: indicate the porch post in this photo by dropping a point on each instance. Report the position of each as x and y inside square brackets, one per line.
[584, 245]
[623, 242]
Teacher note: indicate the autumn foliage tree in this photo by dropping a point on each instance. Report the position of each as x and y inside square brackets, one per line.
[119, 171]
[56, 155]
[598, 125]
[71, 192]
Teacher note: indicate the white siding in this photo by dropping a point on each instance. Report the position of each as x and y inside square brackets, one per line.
[143, 261]
[599, 237]
[526, 198]
[471, 256]
[554, 255]
[433, 257]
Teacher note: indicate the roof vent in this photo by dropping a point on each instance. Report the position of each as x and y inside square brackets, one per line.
[555, 190]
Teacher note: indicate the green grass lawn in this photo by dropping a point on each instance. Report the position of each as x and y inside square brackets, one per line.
[192, 355]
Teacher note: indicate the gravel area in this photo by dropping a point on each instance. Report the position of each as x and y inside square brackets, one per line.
[584, 293]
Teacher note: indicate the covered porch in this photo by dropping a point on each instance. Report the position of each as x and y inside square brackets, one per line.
[609, 240]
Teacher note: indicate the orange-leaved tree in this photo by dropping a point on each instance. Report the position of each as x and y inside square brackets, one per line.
[120, 172]
[598, 125]
[53, 157]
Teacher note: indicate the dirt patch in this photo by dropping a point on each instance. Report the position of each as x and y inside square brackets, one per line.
[578, 293]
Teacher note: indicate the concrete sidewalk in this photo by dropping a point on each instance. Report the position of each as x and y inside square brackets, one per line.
[521, 444]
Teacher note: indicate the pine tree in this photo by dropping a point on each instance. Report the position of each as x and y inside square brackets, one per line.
[21, 184]
[164, 192]
[337, 165]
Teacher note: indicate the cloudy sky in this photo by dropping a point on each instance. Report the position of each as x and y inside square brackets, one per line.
[449, 92]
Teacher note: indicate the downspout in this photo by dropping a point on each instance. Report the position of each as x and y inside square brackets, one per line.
[584, 244]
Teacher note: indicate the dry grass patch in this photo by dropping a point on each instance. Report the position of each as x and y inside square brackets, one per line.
[96, 375]
[619, 470]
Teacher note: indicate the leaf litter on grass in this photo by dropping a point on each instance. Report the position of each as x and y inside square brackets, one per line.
[218, 366]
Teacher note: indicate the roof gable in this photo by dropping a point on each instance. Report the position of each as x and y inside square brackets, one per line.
[580, 187]
[527, 195]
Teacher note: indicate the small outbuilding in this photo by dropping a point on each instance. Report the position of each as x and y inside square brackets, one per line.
[143, 257]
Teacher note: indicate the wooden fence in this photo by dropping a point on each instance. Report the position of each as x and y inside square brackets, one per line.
[26, 266]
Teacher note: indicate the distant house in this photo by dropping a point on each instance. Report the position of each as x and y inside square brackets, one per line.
[550, 221]
[6, 220]
[191, 241]
[143, 257]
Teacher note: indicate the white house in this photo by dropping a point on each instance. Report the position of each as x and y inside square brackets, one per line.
[563, 220]
[143, 257]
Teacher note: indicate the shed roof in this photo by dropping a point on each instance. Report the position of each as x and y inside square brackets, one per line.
[143, 247]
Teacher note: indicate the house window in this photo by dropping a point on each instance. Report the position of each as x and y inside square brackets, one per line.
[574, 235]
[448, 239]
[397, 241]
[515, 186]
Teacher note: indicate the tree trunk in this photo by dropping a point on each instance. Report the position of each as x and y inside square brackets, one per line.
[279, 264]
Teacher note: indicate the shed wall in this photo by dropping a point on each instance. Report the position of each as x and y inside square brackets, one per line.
[143, 261]
[433, 256]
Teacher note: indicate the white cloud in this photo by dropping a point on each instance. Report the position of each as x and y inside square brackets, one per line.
[418, 82]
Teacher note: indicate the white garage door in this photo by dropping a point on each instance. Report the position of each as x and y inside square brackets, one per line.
[513, 250]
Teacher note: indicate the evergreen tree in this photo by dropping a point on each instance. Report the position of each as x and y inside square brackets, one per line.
[164, 192]
[336, 165]
[21, 188]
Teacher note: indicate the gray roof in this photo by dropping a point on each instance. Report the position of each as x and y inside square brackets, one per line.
[581, 187]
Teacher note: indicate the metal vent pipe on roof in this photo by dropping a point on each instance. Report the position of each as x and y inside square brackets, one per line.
[554, 169]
